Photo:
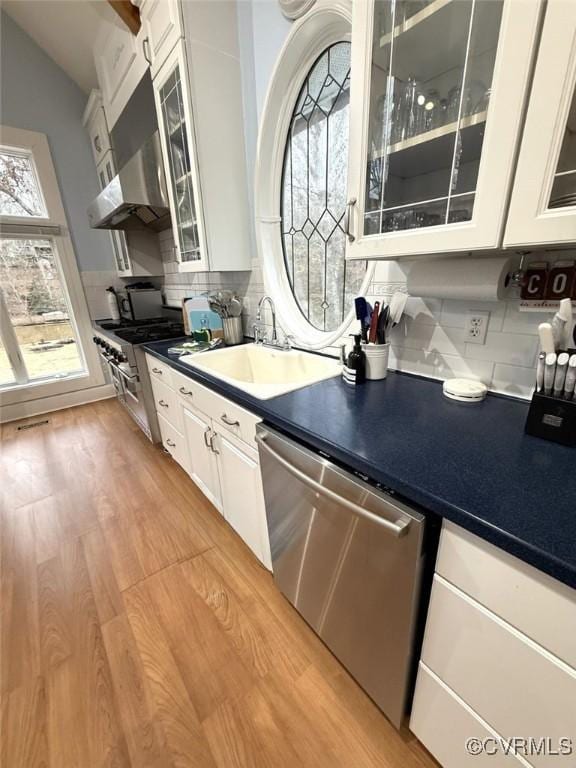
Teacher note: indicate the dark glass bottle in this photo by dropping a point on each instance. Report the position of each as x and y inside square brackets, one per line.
[355, 369]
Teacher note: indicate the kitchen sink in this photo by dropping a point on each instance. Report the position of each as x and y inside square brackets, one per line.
[264, 372]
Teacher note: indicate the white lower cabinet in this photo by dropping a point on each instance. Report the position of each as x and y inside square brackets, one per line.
[488, 668]
[202, 456]
[216, 437]
[242, 497]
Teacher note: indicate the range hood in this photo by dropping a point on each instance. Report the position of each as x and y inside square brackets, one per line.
[136, 198]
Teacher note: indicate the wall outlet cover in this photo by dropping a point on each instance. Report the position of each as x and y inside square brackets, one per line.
[476, 326]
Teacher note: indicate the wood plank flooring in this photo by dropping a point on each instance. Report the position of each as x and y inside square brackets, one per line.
[138, 630]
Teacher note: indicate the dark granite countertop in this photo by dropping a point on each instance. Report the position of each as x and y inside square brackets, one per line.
[472, 464]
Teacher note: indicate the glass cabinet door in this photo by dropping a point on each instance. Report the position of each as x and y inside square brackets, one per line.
[437, 102]
[432, 71]
[563, 194]
[543, 201]
[180, 171]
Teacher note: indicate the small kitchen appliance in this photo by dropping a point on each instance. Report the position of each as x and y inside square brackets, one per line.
[140, 302]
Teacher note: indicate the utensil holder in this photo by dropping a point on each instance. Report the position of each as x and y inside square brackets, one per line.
[376, 360]
[233, 333]
[552, 418]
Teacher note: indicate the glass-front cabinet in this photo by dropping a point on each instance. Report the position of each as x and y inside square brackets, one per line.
[177, 139]
[438, 90]
[543, 203]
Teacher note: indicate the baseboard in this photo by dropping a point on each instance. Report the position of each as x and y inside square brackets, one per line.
[23, 410]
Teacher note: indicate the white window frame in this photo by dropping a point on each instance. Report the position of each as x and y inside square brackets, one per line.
[328, 22]
[52, 227]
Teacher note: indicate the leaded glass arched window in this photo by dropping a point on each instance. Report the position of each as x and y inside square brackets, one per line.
[314, 194]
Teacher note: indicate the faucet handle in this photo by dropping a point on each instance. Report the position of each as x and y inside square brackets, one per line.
[288, 339]
[256, 331]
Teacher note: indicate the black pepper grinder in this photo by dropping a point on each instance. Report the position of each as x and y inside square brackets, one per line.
[354, 371]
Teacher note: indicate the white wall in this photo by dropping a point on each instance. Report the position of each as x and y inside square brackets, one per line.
[38, 95]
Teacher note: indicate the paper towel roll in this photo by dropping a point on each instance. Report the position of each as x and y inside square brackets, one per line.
[477, 279]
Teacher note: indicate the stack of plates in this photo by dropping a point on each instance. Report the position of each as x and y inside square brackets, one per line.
[563, 201]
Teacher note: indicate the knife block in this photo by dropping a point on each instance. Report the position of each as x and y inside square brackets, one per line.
[552, 419]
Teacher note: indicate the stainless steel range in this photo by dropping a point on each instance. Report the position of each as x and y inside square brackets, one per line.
[119, 345]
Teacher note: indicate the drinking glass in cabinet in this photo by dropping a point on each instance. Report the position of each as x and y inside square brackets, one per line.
[431, 78]
[564, 187]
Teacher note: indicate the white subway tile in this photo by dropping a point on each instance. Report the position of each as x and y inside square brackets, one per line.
[514, 380]
[523, 322]
[508, 348]
[451, 367]
[416, 335]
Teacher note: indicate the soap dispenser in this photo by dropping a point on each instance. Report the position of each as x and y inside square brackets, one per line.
[354, 372]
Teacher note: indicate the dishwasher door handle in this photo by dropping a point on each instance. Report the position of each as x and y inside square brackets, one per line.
[397, 528]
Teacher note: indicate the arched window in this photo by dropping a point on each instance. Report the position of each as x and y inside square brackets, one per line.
[301, 180]
[313, 200]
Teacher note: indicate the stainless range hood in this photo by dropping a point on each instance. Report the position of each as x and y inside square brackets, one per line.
[136, 198]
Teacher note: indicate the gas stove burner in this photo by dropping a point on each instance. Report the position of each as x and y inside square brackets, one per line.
[147, 333]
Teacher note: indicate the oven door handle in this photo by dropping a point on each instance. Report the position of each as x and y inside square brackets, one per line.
[123, 373]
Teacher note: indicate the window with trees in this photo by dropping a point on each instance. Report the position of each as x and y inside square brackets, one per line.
[38, 335]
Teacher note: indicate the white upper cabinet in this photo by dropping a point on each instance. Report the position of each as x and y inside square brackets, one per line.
[162, 30]
[543, 203]
[173, 107]
[198, 93]
[437, 99]
[120, 65]
[94, 120]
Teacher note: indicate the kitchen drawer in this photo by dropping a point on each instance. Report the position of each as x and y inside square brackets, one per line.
[225, 414]
[533, 602]
[508, 680]
[159, 370]
[230, 417]
[174, 442]
[168, 404]
[444, 723]
[186, 389]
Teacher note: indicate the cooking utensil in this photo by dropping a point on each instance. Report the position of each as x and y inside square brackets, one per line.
[382, 321]
[361, 311]
[374, 323]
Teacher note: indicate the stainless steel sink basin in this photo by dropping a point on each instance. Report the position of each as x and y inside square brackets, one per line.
[264, 372]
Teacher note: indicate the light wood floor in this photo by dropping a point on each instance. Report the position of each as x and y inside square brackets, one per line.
[137, 630]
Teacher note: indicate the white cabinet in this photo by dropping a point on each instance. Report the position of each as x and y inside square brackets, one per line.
[198, 93]
[162, 29]
[498, 657]
[242, 496]
[437, 99]
[543, 203]
[94, 120]
[120, 65]
[221, 456]
[202, 455]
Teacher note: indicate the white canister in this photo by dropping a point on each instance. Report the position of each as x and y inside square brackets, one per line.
[113, 305]
[376, 360]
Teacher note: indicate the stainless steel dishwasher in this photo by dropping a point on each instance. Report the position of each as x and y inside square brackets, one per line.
[349, 557]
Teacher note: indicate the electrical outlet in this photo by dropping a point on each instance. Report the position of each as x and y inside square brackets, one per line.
[476, 326]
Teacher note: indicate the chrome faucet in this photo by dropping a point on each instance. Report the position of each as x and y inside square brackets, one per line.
[274, 340]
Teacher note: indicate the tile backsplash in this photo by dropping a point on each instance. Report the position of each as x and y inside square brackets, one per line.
[430, 339]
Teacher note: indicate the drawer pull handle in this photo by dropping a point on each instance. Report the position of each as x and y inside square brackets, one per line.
[157, 370]
[185, 391]
[228, 421]
[171, 443]
[162, 403]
